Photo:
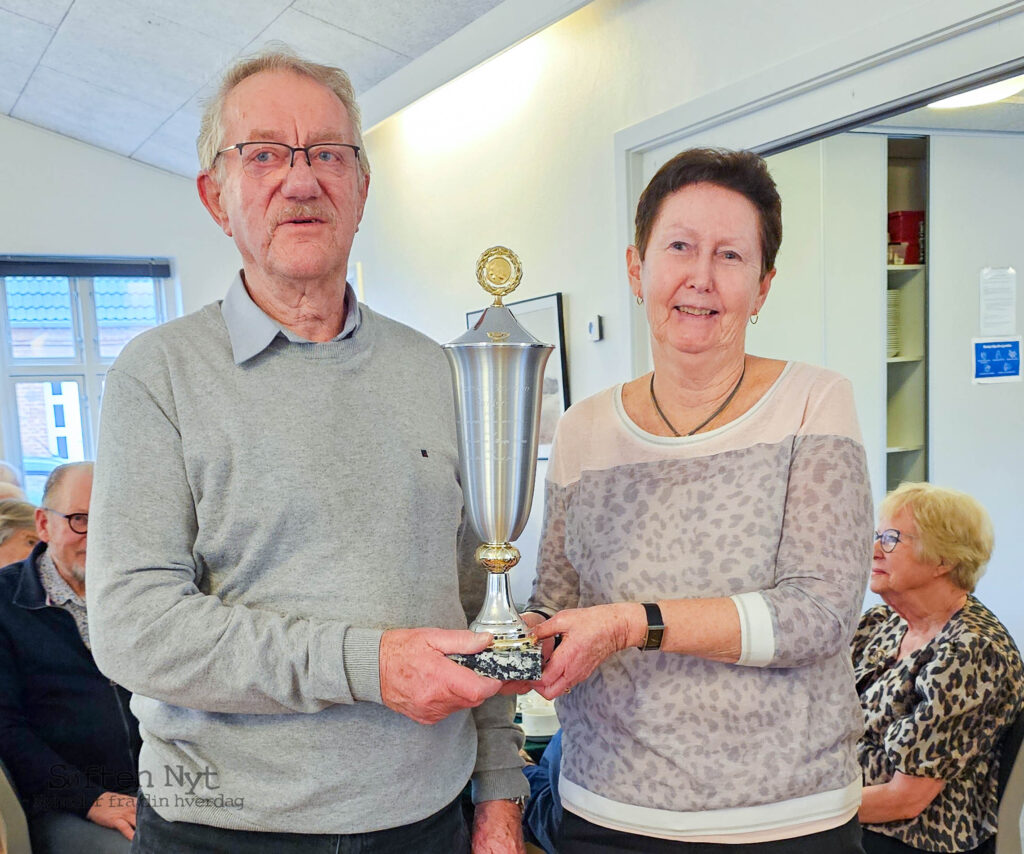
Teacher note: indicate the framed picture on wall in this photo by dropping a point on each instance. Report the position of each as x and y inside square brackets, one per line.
[542, 318]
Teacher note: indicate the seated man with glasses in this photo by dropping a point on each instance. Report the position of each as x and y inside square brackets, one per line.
[67, 739]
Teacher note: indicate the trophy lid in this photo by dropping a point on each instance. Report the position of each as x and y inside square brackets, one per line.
[499, 272]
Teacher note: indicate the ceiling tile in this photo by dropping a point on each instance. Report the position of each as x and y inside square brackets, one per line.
[172, 146]
[181, 129]
[22, 43]
[124, 48]
[410, 27]
[131, 75]
[236, 23]
[170, 158]
[365, 61]
[78, 109]
[49, 12]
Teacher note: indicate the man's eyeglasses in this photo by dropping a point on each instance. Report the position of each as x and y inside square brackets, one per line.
[77, 522]
[889, 538]
[326, 159]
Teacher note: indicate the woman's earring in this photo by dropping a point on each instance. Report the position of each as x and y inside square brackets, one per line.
[753, 319]
[639, 300]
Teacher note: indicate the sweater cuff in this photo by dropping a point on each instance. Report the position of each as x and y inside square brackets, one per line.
[499, 785]
[757, 635]
[361, 650]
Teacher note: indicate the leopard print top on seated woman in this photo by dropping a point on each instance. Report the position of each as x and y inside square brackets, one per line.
[938, 712]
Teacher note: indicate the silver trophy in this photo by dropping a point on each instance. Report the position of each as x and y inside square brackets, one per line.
[498, 372]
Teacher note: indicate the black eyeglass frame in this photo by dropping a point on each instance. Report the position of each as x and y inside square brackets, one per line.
[886, 535]
[293, 148]
[69, 517]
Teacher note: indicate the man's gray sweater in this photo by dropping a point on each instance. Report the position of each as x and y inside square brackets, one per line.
[255, 528]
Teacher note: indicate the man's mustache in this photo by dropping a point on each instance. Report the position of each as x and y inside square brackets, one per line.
[299, 213]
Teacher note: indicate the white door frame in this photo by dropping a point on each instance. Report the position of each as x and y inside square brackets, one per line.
[961, 44]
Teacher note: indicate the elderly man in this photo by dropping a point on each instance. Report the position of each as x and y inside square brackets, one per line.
[277, 524]
[67, 737]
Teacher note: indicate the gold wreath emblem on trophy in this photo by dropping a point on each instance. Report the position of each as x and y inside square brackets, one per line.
[499, 272]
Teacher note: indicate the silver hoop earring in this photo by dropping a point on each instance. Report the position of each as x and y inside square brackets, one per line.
[753, 320]
[639, 300]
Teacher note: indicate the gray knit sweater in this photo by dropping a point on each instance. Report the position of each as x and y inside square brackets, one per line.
[255, 528]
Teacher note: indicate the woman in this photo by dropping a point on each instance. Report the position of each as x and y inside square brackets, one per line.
[17, 530]
[939, 677]
[724, 496]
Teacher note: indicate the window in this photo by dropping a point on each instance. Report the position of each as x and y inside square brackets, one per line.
[63, 321]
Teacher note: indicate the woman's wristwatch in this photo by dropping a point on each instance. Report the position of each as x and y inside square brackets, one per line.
[655, 627]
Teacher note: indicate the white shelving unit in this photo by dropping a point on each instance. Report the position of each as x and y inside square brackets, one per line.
[907, 362]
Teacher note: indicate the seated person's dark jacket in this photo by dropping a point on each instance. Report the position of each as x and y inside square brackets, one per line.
[66, 733]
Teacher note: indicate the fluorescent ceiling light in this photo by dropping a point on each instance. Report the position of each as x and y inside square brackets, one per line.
[984, 95]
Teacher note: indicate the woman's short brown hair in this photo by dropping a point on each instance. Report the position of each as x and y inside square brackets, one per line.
[952, 528]
[743, 172]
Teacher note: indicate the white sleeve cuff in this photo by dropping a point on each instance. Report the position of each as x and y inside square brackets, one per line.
[757, 637]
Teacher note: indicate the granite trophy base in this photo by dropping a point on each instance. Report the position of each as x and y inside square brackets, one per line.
[504, 664]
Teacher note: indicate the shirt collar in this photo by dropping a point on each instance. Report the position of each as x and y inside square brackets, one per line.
[251, 329]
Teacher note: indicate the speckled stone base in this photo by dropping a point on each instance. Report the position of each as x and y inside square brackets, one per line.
[505, 665]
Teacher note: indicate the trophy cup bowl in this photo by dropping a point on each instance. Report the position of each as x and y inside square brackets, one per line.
[498, 373]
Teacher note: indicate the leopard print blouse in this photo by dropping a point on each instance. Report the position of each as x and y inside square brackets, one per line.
[938, 712]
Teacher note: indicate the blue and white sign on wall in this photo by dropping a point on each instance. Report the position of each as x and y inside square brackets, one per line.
[996, 360]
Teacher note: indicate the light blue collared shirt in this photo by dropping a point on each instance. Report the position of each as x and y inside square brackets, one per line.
[251, 329]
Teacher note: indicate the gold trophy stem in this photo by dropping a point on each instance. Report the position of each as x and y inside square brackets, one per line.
[497, 557]
[499, 616]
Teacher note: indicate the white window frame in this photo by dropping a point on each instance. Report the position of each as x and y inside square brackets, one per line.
[86, 367]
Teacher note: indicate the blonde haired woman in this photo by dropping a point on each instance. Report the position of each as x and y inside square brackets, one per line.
[17, 530]
[938, 675]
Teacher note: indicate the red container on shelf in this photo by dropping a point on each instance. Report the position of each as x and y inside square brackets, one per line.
[908, 227]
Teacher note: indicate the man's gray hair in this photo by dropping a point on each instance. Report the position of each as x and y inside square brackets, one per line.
[15, 516]
[275, 58]
[56, 478]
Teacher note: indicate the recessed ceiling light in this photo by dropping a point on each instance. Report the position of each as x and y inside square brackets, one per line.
[983, 95]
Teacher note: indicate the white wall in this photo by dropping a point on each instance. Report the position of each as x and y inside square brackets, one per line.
[829, 269]
[976, 432]
[521, 152]
[63, 197]
[827, 303]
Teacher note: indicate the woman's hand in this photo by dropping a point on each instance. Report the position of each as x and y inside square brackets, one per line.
[589, 636]
[515, 686]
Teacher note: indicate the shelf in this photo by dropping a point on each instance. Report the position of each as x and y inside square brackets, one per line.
[906, 327]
